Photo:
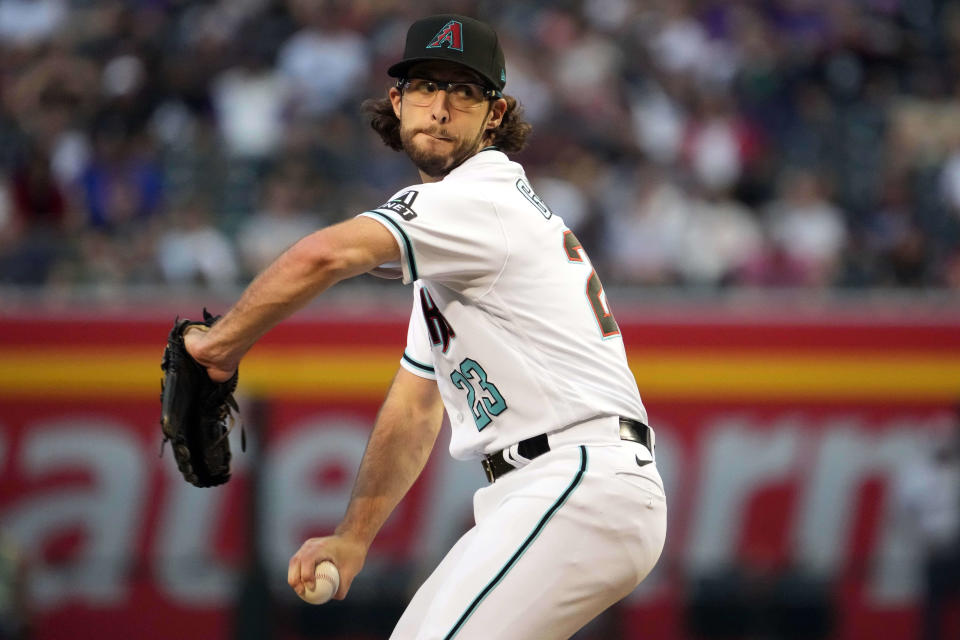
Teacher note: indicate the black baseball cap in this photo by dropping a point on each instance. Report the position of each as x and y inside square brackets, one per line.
[456, 38]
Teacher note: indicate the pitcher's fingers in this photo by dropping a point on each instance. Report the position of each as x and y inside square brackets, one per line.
[308, 568]
[293, 574]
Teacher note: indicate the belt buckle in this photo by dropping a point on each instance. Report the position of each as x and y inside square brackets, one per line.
[636, 431]
[487, 469]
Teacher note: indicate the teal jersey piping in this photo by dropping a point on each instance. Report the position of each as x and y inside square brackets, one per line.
[418, 365]
[411, 261]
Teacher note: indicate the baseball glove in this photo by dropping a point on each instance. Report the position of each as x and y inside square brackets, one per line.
[195, 411]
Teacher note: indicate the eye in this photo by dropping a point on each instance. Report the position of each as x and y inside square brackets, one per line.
[466, 91]
[426, 87]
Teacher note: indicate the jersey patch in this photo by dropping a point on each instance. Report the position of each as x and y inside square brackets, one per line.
[451, 35]
[527, 191]
[402, 205]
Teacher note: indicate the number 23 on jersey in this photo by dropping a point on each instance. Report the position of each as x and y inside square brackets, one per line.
[483, 405]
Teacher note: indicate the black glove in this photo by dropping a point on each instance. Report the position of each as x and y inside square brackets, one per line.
[195, 411]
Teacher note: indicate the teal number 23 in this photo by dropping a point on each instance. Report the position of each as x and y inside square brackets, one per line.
[488, 402]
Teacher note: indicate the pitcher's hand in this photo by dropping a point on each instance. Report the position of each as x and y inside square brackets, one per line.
[348, 554]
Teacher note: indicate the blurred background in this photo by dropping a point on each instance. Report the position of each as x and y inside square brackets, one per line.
[770, 190]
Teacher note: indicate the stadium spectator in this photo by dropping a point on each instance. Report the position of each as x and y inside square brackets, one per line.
[326, 61]
[928, 498]
[250, 99]
[122, 184]
[193, 251]
[648, 217]
[30, 22]
[36, 213]
[282, 220]
[807, 226]
[720, 238]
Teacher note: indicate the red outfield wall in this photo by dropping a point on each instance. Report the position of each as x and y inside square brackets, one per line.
[781, 441]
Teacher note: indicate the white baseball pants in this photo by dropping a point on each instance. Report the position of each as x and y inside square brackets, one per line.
[555, 543]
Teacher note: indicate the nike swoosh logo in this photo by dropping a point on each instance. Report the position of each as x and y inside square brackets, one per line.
[640, 462]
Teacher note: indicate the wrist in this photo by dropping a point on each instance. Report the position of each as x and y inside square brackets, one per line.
[203, 346]
[353, 537]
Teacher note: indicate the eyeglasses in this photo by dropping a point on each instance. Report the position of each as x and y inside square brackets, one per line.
[462, 95]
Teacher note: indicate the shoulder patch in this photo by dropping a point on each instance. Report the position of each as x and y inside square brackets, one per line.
[402, 205]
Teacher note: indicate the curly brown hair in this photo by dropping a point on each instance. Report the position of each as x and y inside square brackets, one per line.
[509, 137]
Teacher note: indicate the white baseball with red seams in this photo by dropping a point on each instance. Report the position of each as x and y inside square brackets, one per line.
[327, 581]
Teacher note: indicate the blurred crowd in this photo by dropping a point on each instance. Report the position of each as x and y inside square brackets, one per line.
[711, 143]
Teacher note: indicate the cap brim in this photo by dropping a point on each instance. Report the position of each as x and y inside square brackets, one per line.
[399, 70]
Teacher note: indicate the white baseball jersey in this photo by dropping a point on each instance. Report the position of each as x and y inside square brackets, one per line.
[508, 315]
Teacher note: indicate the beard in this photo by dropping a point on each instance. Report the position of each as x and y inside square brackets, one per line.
[437, 164]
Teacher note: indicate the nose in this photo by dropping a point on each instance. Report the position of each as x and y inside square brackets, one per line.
[440, 110]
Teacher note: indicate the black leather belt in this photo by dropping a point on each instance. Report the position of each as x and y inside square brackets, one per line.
[495, 465]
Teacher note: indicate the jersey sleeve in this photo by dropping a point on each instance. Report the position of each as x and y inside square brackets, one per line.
[444, 236]
[417, 357]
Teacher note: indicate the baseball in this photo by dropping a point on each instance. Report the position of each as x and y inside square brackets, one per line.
[326, 584]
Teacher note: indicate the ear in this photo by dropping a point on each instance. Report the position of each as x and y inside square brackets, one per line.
[395, 99]
[497, 111]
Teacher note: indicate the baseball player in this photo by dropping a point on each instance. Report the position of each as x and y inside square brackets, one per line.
[511, 334]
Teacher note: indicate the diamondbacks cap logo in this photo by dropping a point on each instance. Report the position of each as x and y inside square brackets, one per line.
[450, 35]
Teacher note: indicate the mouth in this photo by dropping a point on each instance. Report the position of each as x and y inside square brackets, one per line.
[436, 137]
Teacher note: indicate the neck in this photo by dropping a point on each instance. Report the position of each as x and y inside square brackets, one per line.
[424, 178]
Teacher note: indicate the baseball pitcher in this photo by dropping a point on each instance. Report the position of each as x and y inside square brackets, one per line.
[510, 333]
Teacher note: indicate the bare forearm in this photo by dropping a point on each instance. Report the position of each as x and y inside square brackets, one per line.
[399, 446]
[305, 270]
[396, 453]
[287, 285]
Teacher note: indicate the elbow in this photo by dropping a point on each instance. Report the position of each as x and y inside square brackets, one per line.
[316, 255]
